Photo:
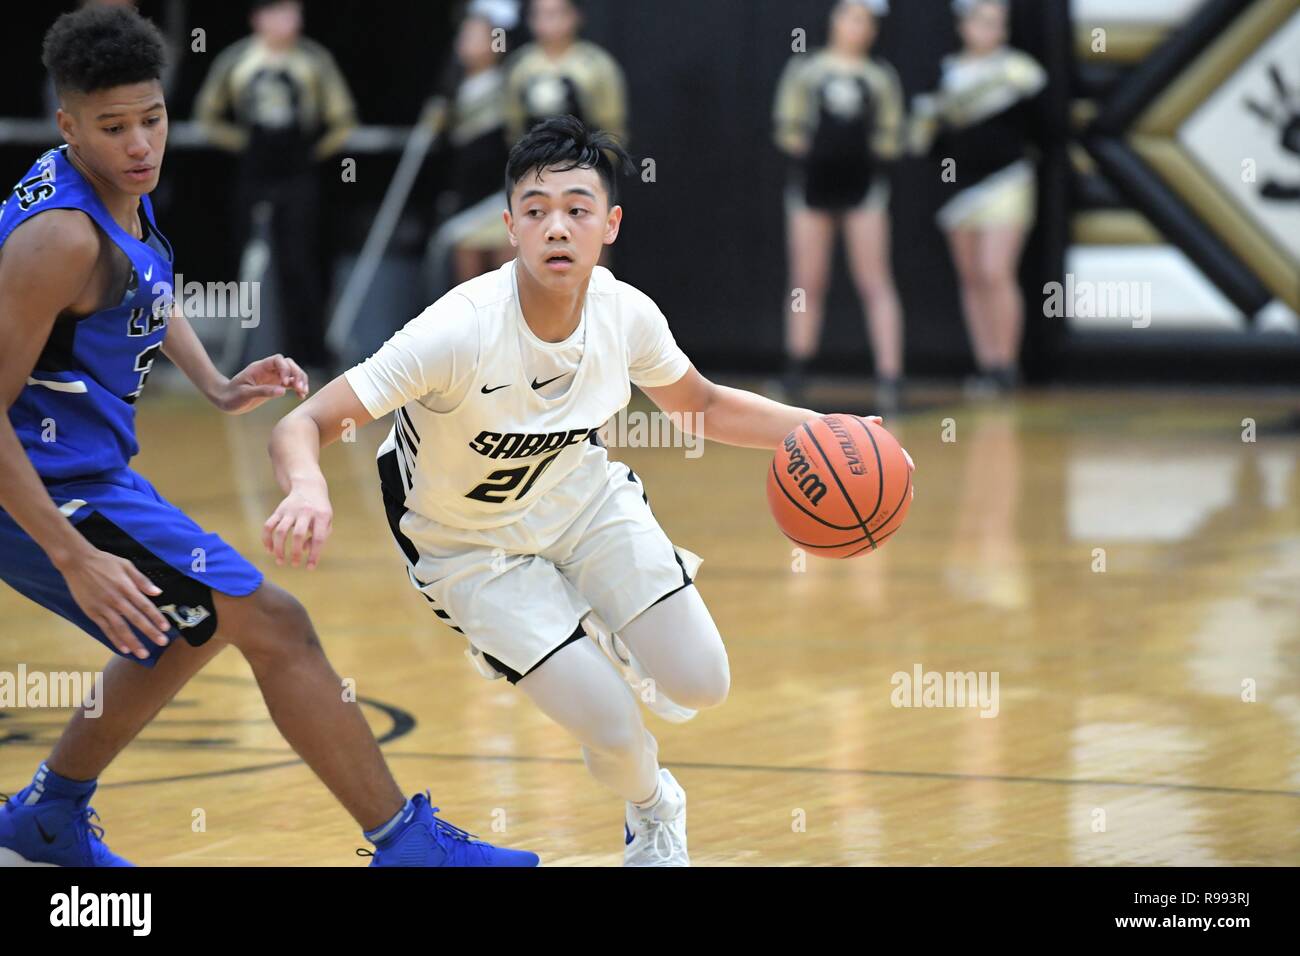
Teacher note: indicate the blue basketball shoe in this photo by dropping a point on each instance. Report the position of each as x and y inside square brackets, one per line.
[424, 840]
[52, 833]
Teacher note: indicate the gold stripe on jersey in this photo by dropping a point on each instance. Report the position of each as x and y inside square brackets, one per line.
[973, 91]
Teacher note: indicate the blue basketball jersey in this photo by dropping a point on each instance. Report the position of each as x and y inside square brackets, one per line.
[76, 415]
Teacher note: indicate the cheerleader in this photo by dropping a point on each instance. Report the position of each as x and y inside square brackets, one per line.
[471, 124]
[561, 74]
[838, 118]
[979, 119]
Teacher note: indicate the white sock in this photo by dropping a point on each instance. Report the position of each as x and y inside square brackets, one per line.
[658, 795]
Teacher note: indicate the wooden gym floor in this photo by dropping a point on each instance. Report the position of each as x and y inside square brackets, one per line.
[1121, 734]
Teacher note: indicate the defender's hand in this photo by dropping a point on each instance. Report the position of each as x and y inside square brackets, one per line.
[115, 594]
[265, 379]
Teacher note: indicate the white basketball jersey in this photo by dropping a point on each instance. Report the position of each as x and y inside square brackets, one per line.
[485, 461]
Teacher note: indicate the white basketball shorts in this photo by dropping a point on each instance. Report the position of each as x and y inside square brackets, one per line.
[519, 593]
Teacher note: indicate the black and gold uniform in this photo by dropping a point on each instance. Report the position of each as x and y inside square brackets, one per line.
[282, 111]
[841, 120]
[472, 123]
[981, 119]
[585, 81]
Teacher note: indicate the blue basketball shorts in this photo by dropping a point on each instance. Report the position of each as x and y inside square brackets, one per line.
[121, 513]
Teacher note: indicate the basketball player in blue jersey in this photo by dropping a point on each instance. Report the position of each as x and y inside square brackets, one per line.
[85, 307]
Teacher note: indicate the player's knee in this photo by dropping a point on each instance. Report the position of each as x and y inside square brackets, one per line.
[277, 625]
[706, 684]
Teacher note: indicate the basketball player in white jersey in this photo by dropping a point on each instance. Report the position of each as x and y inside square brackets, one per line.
[516, 526]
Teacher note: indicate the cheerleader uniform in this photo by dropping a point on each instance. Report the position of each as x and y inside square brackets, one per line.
[980, 119]
[840, 121]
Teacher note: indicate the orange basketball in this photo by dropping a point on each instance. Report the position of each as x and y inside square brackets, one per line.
[839, 486]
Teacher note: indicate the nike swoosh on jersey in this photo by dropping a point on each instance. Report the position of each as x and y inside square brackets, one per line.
[488, 391]
[74, 387]
[537, 384]
[148, 274]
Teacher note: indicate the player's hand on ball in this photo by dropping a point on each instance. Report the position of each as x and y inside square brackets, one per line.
[911, 465]
[265, 379]
[299, 527]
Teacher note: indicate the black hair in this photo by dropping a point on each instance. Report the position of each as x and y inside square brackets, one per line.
[562, 143]
[95, 48]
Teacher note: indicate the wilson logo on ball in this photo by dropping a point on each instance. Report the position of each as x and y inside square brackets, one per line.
[813, 488]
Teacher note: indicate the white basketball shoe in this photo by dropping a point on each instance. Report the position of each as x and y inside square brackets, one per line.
[656, 835]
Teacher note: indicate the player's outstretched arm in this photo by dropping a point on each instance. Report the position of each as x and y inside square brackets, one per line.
[47, 267]
[263, 380]
[732, 416]
[303, 521]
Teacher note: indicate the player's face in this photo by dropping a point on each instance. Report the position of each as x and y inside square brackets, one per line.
[559, 223]
[984, 29]
[119, 133]
[853, 28]
[553, 21]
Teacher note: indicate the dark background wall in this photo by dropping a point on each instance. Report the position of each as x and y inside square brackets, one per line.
[706, 240]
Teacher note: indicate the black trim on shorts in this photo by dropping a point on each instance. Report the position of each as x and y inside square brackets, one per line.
[686, 582]
[686, 578]
[680, 587]
[183, 593]
[514, 677]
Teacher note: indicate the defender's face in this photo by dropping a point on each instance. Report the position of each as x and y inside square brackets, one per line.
[984, 29]
[120, 133]
[559, 222]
